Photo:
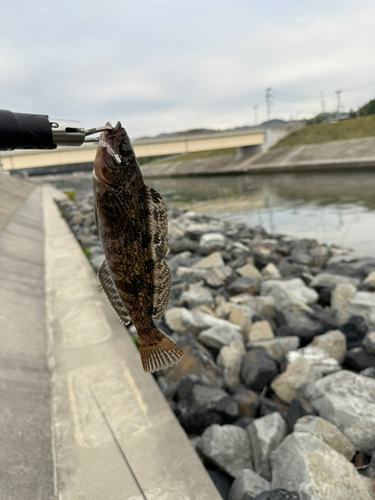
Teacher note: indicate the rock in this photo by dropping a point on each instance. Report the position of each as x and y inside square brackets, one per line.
[368, 372]
[178, 319]
[278, 494]
[223, 308]
[264, 306]
[332, 280]
[211, 242]
[230, 360]
[289, 294]
[268, 406]
[299, 407]
[328, 432]
[348, 401]
[219, 336]
[319, 359]
[340, 298]
[238, 317]
[197, 360]
[217, 276]
[222, 481]
[298, 323]
[277, 347]
[370, 279]
[258, 369]
[334, 342]
[247, 485]
[363, 304]
[369, 342]
[358, 359]
[247, 401]
[260, 330]
[206, 406]
[243, 285]
[261, 259]
[354, 330]
[249, 271]
[196, 294]
[307, 464]
[270, 271]
[213, 260]
[296, 377]
[227, 447]
[266, 433]
[182, 244]
[243, 422]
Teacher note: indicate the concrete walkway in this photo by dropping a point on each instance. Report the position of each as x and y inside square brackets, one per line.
[80, 419]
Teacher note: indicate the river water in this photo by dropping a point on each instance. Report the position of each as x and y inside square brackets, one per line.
[331, 207]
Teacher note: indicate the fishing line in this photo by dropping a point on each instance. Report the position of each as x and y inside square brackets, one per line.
[118, 444]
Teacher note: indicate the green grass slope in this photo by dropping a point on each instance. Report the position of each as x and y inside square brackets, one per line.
[356, 128]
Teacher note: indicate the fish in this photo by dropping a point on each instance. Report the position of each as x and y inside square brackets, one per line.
[132, 224]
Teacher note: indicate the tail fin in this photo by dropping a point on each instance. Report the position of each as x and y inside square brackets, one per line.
[157, 350]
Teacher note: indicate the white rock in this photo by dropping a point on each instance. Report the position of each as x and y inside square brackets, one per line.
[370, 279]
[249, 271]
[228, 447]
[322, 362]
[197, 294]
[332, 280]
[270, 271]
[340, 298]
[247, 485]
[289, 294]
[213, 260]
[219, 336]
[266, 433]
[334, 342]
[348, 401]
[212, 241]
[363, 304]
[328, 432]
[263, 305]
[276, 347]
[305, 463]
[295, 378]
[230, 360]
[178, 319]
[261, 330]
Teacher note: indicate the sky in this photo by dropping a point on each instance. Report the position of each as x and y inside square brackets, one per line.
[167, 65]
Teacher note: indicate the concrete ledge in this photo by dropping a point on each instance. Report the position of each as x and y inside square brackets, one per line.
[110, 418]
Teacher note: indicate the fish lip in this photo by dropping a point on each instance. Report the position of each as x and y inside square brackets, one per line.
[99, 180]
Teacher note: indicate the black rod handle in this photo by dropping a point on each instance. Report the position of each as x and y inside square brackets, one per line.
[25, 131]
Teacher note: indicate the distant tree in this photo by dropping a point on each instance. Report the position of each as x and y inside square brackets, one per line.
[367, 109]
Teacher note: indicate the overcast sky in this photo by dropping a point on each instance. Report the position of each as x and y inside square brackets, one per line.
[167, 65]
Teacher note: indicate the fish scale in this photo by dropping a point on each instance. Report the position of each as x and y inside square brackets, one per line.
[133, 228]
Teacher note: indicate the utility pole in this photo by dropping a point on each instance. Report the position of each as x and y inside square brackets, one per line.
[268, 102]
[322, 100]
[338, 92]
[256, 113]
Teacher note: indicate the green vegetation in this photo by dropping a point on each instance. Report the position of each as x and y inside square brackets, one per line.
[200, 155]
[327, 132]
[71, 195]
[87, 252]
[367, 109]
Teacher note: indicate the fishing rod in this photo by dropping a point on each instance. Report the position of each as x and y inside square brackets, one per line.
[27, 131]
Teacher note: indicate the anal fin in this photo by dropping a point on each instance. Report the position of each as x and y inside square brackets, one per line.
[110, 290]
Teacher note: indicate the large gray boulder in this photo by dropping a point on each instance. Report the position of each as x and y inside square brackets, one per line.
[247, 485]
[328, 280]
[182, 320]
[363, 304]
[290, 294]
[293, 380]
[258, 369]
[228, 447]
[277, 347]
[230, 360]
[328, 432]
[322, 362]
[266, 433]
[305, 463]
[219, 336]
[347, 400]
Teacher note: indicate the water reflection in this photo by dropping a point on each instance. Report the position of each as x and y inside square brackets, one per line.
[334, 207]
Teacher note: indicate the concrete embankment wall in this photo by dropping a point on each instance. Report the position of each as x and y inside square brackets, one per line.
[358, 153]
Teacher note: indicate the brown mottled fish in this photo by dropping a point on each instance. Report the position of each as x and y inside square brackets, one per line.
[133, 228]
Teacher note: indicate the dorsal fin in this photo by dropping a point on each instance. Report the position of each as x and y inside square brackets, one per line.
[107, 285]
[159, 247]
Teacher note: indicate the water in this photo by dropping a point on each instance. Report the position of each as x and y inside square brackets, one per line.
[335, 207]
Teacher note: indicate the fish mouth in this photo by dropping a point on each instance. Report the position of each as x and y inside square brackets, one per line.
[115, 130]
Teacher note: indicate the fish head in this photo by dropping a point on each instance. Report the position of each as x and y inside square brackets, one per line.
[112, 155]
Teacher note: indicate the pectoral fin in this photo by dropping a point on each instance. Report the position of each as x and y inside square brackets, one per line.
[109, 288]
